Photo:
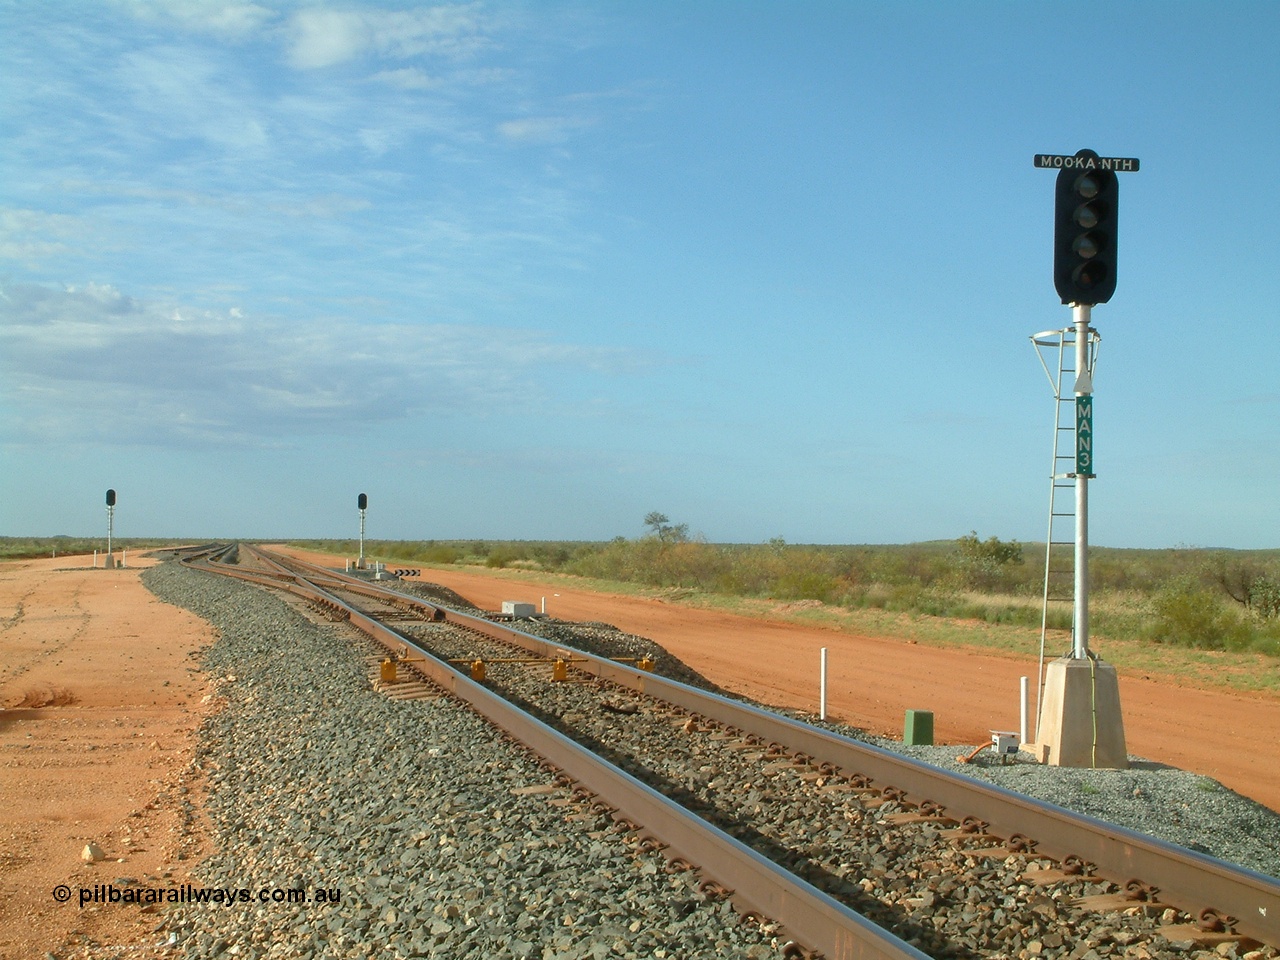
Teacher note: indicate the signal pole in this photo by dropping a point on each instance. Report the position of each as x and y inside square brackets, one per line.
[1080, 721]
[1081, 313]
[111, 520]
[362, 504]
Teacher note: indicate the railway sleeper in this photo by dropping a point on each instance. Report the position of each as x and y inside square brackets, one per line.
[1072, 869]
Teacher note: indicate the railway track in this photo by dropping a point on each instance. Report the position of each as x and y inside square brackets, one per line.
[854, 851]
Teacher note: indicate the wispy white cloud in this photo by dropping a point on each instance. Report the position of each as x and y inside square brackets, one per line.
[84, 361]
[169, 136]
[542, 129]
[326, 37]
[33, 237]
[407, 78]
[221, 18]
[173, 153]
[319, 205]
[182, 92]
[322, 38]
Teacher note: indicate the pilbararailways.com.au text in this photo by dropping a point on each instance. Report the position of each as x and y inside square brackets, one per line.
[187, 893]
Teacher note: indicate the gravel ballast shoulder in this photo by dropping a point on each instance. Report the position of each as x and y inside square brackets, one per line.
[1174, 805]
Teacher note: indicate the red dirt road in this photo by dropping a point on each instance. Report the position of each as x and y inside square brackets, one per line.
[100, 700]
[873, 681]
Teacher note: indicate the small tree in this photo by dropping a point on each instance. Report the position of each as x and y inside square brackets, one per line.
[981, 561]
[1245, 582]
[663, 529]
[1233, 574]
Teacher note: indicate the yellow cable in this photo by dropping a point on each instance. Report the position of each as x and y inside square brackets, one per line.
[1093, 677]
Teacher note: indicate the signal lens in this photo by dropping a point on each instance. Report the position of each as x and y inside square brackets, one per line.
[1086, 245]
[1090, 275]
[1087, 186]
[1087, 215]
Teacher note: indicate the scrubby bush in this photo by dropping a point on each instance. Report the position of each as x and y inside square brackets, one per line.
[1264, 597]
[983, 564]
[1187, 614]
[438, 553]
[500, 556]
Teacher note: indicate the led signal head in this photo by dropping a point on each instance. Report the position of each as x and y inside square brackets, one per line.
[1084, 247]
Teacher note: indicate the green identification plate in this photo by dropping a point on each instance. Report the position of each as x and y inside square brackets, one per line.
[1084, 435]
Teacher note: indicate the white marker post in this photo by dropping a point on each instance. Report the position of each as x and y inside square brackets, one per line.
[1022, 727]
[822, 686]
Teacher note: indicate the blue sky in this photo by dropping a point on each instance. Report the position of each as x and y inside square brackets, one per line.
[532, 270]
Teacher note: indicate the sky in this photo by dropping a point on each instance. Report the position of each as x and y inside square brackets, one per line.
[535, 270]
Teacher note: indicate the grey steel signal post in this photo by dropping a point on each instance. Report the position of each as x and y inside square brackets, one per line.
[1080, 721]
[1087, 195]
[111, 520]
[1080, 315]
[362, 504]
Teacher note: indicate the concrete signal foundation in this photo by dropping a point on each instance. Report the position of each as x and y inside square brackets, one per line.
[1080, 720]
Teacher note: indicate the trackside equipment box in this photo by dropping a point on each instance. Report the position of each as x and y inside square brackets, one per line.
[918, 731]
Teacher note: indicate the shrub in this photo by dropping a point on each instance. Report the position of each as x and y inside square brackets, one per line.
[439, 553]
[982, 562]
[1188, 615]
[501, 556]
[1264, 596]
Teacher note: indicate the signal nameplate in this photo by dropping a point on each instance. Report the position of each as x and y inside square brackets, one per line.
[1056, 161]
[1084, 436]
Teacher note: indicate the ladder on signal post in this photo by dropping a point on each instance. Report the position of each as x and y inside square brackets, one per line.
[1057, 352]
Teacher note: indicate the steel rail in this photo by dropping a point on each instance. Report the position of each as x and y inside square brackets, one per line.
[755, 883]
[1186, 879]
